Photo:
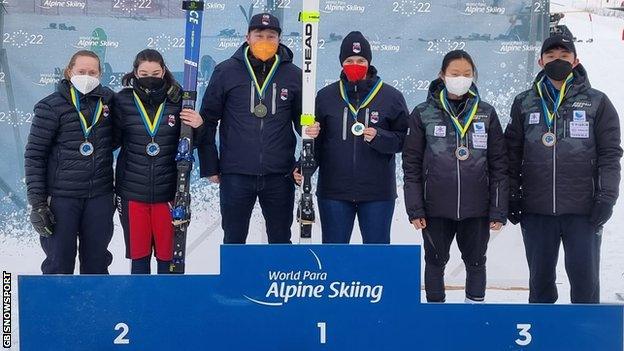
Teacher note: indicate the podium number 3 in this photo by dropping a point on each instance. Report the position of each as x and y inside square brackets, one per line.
[523, 331]
[323, 331]
[121, 338]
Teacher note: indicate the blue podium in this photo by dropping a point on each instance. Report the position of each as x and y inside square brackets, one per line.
[295, 297]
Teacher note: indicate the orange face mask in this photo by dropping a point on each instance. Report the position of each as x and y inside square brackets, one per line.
[264, 50]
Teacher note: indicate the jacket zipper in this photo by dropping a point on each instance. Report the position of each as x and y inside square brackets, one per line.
[593, 187]
[274, 98]
[497, 195]
[554, 182]
[345, 115]
[367, 118]
[357, 103]
[252, 100]
[426, 179]
[458, 178]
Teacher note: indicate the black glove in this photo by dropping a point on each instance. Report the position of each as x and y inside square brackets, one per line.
[515, 209]
[42, 219]
[601, 212]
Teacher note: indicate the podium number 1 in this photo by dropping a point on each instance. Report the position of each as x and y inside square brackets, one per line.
[323, 331]
[121, 338]
[523, 331]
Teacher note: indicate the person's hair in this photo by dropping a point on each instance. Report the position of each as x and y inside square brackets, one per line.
[148, 55]
[458, 55]
[72, 62]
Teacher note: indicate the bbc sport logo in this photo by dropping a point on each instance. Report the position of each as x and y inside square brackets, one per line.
[285, 287]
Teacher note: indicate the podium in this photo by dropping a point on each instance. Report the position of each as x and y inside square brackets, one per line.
[295, 297]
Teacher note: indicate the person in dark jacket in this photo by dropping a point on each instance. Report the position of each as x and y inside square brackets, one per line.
[147, 128]
[69, 173]
[455, 167]
[363, 124]
[256, 97]
[564, 153]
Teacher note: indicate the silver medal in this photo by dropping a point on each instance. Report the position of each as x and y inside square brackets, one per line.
[358, 129]
[549, 139]
[86, 148]
[152, 149]
[261, 111]
[462, 153]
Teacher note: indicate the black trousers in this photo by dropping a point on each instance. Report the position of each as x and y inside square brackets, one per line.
[543, 236]
[83, 226]
[473, 235]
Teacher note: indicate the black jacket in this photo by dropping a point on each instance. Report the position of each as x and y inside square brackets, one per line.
[582, 168]
[248, 144]
[437, 184]
[141, 177]
[53, 163]
[350, 168]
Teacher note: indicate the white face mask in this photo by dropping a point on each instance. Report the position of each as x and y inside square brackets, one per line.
[458, 85]
[84, 83]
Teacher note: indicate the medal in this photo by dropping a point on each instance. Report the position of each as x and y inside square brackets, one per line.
[462, 153]
[549, 139]
[357, 129]
[152, 149]
[151, 126]
[260, 111]
[86, 148]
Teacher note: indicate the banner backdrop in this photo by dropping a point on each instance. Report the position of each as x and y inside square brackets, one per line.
[408, 39]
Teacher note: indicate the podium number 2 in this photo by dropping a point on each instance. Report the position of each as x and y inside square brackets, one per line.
[121, 338]
[323, 331]
[523, 331]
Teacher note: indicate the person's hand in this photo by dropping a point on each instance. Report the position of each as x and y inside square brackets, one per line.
[496, 226]
[215, 179]
[420, 223]
[600, 214]
[370, 134]
[42, 219]
[313, 130]
[191, 118]
[297, 176]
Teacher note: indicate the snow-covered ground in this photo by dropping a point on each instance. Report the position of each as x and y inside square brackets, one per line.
[507, 271]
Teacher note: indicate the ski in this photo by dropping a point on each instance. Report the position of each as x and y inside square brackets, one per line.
[310, 17]
[181, 212]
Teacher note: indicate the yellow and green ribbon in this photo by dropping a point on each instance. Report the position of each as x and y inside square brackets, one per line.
[550, 116]
[369, 98]
[97, 112]
[151, 125]
[461, 129]
[261, 89]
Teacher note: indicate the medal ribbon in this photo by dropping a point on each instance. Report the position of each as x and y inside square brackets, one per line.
[548, 116]
[369, 98]
[461, 129]
[150, 125]
[261, 89]
[97, 112]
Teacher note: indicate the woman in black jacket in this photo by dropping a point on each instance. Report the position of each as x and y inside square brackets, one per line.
[363, 123]
[147, 128]
[455, 167]
[69, 173]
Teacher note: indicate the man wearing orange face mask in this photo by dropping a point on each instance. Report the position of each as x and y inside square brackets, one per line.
[256, 97]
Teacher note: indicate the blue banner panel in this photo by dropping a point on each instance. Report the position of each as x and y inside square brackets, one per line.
[329, 297]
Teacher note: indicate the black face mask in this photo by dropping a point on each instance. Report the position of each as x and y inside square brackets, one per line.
[558, 70]
[151, 83]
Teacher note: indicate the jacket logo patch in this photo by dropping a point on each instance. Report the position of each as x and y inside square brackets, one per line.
[374, 117]
[439, 131]
[581, 104]
[171, 121]
[357, 47]
[478, 117]
[284, 94]
[105, 111]
[579, 116]
[534, 118]
[479, 127]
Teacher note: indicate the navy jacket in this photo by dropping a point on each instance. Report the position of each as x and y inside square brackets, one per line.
[247, 144]
[350, 168]
[53, 163]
